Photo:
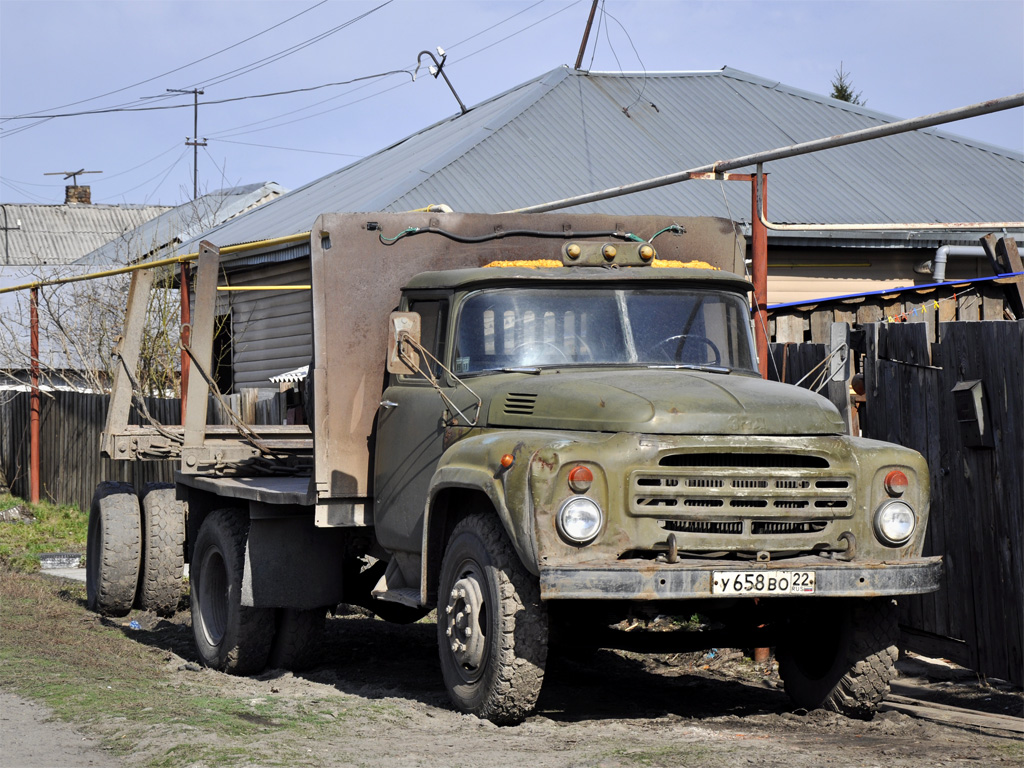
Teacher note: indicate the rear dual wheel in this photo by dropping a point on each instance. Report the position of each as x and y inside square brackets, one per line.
[113, 549]
[228, 636]
[163, 550]
[236, 638]
[135, 553]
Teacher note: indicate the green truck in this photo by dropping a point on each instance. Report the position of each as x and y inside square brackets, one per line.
[539, 425]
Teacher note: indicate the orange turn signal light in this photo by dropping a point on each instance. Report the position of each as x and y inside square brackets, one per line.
[507, 461]
[580, 478]
[896, 483]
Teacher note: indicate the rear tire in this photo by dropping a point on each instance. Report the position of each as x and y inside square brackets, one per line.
[163, 549]
[844, 660]
[229, 636]
[492, 628]
[297, 639]
[113, 549]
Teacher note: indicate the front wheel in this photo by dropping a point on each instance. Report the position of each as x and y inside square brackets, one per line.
[492, 628]
[229, 636]
[844, 659]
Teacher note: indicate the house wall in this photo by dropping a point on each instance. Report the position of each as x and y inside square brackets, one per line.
[271, 330]
[804, 274]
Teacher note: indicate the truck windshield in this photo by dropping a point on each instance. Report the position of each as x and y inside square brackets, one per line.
[552, 327]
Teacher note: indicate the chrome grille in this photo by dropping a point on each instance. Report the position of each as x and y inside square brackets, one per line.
[763, 488]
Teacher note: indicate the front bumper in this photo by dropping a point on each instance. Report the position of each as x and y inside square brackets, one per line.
[686, 580]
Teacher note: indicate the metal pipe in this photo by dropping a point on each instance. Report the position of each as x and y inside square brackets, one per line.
[161, 263]
[186, 336]
[33, 430]
[842, 140]
[937, 266]
[586, 35]
[759, 273]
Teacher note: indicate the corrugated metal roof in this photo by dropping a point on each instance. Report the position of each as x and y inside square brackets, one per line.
[568, 132]
[158, 237]
[60, 234]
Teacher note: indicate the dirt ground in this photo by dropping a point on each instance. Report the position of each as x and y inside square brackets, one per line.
[376, 700]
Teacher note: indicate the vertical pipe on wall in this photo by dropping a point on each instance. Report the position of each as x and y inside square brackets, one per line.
[34, 401]
[759, 269]
[186, 336]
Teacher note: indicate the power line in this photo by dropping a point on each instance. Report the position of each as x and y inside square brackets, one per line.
[183, 66]
[25, 193]
[288, 149]
[260, 63]
[518, 32]
[163, 172]
[234, 131]
[113, 110]
[316, 114]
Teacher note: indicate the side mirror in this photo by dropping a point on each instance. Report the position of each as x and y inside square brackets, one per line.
[403, 327]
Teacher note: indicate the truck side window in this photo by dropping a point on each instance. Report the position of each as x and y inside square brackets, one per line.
[433, 323]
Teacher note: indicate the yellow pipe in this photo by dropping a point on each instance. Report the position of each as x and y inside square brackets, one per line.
[264, 287]
[161, 263]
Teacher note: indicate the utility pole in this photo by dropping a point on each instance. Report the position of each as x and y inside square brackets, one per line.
[586, 35]
[195, 143]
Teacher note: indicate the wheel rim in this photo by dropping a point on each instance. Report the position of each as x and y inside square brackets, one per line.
[213, 596]
[466, 622]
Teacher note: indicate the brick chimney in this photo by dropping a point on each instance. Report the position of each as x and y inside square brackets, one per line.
[75, 195]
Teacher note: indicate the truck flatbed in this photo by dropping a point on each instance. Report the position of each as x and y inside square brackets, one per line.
[266, 489]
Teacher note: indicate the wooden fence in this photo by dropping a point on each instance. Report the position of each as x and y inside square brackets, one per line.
[920, 385]
[923, 395]
[70, 465]
[70, 424]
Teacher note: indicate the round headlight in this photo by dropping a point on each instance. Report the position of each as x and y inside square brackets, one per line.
[895, 523]
[579, 520]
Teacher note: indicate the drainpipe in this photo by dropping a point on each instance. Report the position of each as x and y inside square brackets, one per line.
[937, 266]
[33, 410]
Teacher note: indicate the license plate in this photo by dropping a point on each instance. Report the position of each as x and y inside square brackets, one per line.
[762, 582]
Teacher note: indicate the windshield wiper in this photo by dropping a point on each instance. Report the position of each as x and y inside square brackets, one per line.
[692, 367]
[522, 369]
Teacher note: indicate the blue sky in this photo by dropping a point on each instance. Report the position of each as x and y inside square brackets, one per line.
[906, 57]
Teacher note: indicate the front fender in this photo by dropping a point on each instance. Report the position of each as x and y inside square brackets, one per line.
[474, 463]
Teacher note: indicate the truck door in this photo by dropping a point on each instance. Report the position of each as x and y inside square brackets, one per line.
[410, 431]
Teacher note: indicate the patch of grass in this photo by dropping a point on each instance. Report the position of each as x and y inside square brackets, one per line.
[96, 672]
[57, 528]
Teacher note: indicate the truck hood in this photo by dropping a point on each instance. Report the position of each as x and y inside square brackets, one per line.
[655, 401]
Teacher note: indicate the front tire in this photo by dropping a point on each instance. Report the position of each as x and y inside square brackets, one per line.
[113, 549]
[844, 660]
[229, 636]
[492, 628]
